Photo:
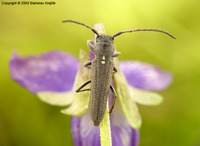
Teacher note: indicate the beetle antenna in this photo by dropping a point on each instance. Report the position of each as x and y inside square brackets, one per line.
[133, 30]
[95, 31]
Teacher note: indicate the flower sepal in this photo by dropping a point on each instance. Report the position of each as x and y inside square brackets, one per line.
[81, 100]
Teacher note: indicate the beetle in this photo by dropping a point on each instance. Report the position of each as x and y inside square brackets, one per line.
[102, 69]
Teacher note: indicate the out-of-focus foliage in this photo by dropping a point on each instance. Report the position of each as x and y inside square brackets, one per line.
[28, 29]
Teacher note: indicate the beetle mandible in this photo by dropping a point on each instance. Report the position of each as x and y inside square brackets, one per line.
[102, 69]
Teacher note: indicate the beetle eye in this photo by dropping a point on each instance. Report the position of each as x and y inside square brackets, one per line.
[98, 37]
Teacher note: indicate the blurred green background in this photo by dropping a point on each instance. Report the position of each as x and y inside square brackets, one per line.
[28, 29]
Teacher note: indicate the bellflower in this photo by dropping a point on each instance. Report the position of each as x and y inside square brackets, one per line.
[54, 77]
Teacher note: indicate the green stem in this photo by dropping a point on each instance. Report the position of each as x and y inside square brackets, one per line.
[105, 131]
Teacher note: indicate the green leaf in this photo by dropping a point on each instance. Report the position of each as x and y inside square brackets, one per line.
[127, 103]
[145, 97]
[56, 98]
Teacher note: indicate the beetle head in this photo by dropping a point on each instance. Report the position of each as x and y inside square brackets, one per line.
[107, 39]
[104, 45]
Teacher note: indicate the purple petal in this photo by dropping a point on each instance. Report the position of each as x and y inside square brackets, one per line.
[145, 76]
[92, 55]
[53, 71]
[85, 134]
[122, 133]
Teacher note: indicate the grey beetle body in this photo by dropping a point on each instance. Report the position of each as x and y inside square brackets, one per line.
[102, 69]
[101, 73]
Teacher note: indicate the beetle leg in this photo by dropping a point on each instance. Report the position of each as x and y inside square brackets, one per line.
[114, 69]
[115, 96]
[116, 54]
[90, 45]
[83, 85]
[83, 90]
[88, 64]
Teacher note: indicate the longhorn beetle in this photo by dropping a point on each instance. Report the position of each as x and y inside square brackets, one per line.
[102, 69]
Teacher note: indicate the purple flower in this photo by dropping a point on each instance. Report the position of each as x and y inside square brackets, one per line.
[55, 75]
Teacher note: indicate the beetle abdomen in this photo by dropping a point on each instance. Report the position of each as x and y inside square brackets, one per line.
[101, 73]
